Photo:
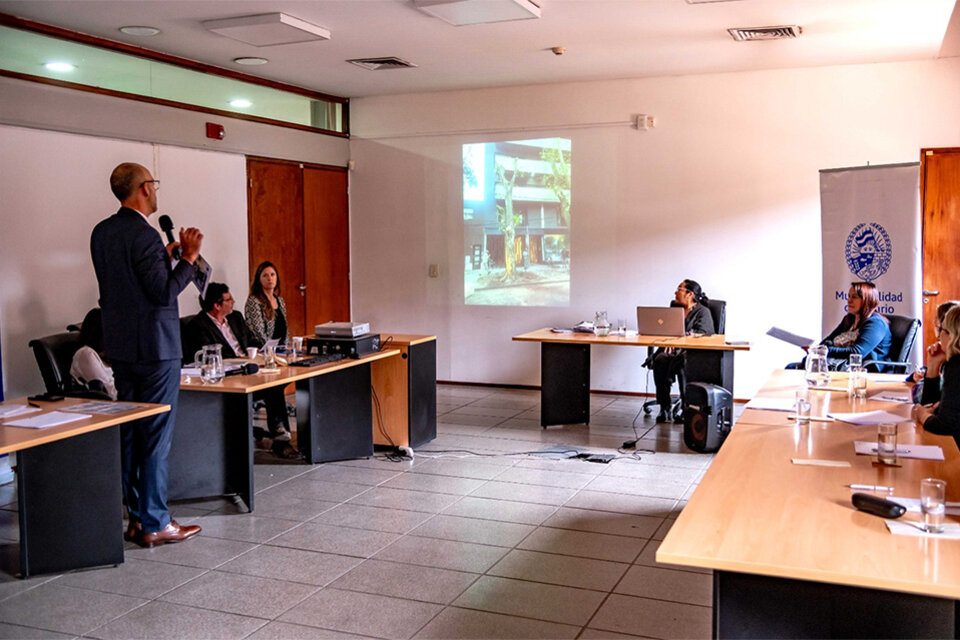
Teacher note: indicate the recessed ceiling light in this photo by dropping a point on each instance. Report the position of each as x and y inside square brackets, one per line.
[59, 66]
[251, 61]
[240, 103]
[140, 31]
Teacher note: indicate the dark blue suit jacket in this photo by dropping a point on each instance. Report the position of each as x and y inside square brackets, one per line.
[138, 289]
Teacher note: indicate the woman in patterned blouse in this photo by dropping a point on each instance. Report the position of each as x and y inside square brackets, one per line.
[265, 311]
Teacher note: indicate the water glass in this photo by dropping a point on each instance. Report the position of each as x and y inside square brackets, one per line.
[887, 443]
[622, 326]
[802, 407]
[269, 357]
[251, 353]
[857, 382]
[855, 360]
[297, 345]
[933, 504]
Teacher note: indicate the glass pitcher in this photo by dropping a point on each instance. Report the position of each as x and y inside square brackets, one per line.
[210, 361]
[817, 367]
[601, 326]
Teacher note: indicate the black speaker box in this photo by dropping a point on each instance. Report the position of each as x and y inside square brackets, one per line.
[707, 416]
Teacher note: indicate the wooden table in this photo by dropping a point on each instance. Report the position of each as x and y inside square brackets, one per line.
[68, 488]
[791, 556]
[565, 367]
[407, 390]
[212, 450]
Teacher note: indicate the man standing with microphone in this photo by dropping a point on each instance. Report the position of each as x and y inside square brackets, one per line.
[141, 331]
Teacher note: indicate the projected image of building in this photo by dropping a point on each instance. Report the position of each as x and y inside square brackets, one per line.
[516, 220]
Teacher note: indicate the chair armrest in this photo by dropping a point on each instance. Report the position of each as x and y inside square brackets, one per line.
[891, 363]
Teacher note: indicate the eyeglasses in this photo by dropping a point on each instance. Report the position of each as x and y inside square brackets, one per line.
[156, 184]
[937, 329]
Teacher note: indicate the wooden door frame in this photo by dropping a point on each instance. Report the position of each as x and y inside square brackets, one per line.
[926, 330]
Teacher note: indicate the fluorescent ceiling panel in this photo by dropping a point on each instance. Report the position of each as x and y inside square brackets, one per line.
[268, 29]
[463, 12]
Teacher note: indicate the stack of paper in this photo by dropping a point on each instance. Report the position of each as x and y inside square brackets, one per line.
[771, 404]
[868, 417]
[52, 419]
[11, 410]
[918, 451]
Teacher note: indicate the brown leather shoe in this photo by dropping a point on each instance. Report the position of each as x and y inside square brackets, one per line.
[173, 532]
[132, 532]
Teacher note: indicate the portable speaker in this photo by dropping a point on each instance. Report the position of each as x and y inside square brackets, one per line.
[707, 416]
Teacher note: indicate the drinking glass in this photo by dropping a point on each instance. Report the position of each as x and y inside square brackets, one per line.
[855, 360]
[297, 345]
[857, 382]
[933, 504]
[802, 410]
[622, 326]
[269, 357]
[887, 443]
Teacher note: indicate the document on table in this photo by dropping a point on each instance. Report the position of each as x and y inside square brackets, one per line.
[771, 404]
[918, 451]
[951, 530]
[52, 419]
[11, 410]
[868, 417]
[903, 396]
[106, 408]
[792, 338]
[913, 504]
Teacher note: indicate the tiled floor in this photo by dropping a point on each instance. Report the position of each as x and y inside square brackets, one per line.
[468, 543]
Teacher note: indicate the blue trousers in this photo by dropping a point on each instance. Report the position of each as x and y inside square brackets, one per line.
[145, 443]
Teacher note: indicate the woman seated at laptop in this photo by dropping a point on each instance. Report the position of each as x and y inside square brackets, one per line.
[667, 363]
[939, 408]
[863, 330]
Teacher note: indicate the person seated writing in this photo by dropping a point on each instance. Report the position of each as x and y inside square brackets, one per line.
[939, 408]
[667, 363]
[218, 323]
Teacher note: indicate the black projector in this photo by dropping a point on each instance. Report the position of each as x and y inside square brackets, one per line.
[350, 347]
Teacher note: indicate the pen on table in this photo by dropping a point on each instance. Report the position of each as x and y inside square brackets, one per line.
[869, 487]
[811, 418]
[33, 404]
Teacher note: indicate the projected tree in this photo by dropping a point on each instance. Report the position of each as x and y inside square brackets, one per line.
[506, 217]
[558, 180]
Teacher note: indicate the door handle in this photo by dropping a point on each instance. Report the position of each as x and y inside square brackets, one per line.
[302, 289]
[931, 293]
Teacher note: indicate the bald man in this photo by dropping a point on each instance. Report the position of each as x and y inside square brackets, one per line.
[141, 330]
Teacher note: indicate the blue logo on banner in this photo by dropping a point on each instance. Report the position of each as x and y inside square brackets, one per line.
[868, 251]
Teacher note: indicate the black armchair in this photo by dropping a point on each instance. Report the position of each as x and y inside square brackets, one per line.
[718, 310]
[903, 333]
[54, 356]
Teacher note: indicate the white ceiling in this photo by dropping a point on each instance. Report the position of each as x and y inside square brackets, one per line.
[604, 39]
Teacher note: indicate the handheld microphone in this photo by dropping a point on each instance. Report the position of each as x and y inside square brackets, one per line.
[247, 369]
[166, 225]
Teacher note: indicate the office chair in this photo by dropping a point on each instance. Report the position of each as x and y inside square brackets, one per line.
[718, 311]
[903, 333]
[54, 356]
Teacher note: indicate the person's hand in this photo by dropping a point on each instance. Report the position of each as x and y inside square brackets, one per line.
[920, 413]
[190, 240]
[170, 249]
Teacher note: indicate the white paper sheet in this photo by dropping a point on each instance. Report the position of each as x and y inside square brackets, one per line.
[902, 396]
[918, 451]
[11, 410]
[869, 417]
[792, 338]
[52, 419]
[771, 404]
[951, 530]
[101, 407]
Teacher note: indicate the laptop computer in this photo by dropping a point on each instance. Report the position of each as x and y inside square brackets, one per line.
[660, 321]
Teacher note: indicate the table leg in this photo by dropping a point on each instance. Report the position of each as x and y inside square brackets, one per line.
[212, 450]
[334, 415]
[753, 606]
[71, 507]
[564, 383]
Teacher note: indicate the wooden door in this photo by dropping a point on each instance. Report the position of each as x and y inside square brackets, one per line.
[940, 200]
[326, 240]
[275, 231]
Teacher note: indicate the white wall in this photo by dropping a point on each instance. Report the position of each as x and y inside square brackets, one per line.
[724, 190]
[54, 187]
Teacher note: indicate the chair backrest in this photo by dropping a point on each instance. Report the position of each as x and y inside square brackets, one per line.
[903, 333]
[718, 309]
[54, 356]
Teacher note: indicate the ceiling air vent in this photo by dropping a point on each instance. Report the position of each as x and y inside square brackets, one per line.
[782, 32]
[378, 64]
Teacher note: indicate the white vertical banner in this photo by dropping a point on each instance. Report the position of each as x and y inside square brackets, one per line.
[870, 220]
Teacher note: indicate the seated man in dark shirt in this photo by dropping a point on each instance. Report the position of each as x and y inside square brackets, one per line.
[218, 323]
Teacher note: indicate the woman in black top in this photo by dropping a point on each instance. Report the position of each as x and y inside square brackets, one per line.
[939, 408]
[667, 363]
